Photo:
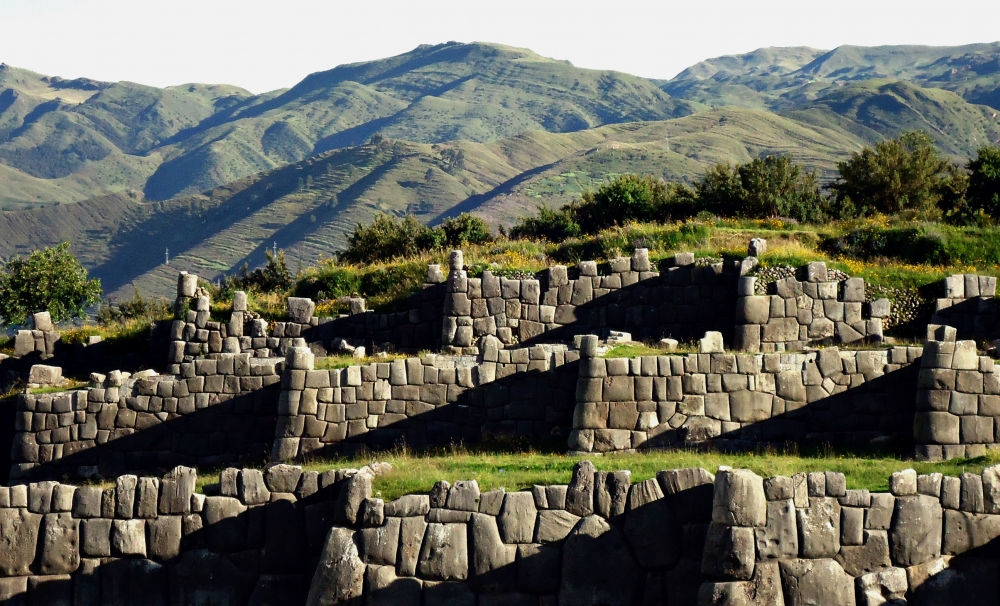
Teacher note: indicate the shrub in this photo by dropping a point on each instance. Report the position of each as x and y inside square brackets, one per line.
[768, 187]
[983, 193]
[549, 224]
[135, 308]
[272, 277]
[631, 199]
[388, 237]
[50, 279]
[466, 229]
[904, 174]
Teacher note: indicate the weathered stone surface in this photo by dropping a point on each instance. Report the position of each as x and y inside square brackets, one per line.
[251, 488]
[176, 489]
[816, 583]
[444, 555]
[729, 552]
[764, 589]
[554, 525]
[408, 505]
[164, 537]
[60, 544]
[915, 535]
[95, 538]
[819, 528]
[779, 537]
[282, 477]
[379, 545]
[538, 567]
[597, 567]
[225, 524]
[411, 537]
[964, 531]
[492, 561]
[580, 493]
[128, 537]
[739, 498]
[356, 489]
[339, 576]
[872, 554]
[464, 496]
[654, 534]
[18, 540]
[517, 517]
[300, 309]
[883, 587]
[384, 588]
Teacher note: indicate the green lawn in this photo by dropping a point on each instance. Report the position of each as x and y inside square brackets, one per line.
[518, 470]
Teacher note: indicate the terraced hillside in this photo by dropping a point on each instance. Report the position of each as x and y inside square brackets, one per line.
[67, 140]
[309, 207]
[217, 174]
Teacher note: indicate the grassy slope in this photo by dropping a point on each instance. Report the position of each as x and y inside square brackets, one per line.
[233, 225]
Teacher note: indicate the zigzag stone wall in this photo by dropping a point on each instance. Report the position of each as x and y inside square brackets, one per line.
[683, 302]
[216, 411]
[433, 400]
[741, 400]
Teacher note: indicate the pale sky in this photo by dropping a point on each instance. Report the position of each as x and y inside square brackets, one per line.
[261, 45]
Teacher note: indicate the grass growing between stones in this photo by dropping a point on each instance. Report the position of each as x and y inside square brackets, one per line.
[516, 469]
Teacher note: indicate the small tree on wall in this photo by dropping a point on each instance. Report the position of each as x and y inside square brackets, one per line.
[50, 279]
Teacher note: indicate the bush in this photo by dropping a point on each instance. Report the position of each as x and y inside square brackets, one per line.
[551, 225]
[388, 237]
[904, 174]
[631, 199]
[983, 193]
[50, 279]
[466, 229]
[273, 277]
[768, 187]
[135, 308]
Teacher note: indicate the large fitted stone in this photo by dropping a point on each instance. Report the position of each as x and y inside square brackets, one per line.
[339, 576]
[816, 583]
[444, 555]
[915, 535]
[819, 528]
[729, 552]
[597, 567]
[18, 539]
[517, 517]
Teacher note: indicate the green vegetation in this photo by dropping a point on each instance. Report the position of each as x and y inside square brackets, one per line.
[50, 279]
[516, 467]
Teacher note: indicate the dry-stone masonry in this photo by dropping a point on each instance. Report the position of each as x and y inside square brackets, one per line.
[683, 301]
[796, 313]
[738, 400]
[218, 410]
[969, 305]
[423, 401]
[958, 398]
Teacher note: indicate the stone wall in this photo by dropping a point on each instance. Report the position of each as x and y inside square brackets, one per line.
[958, 400]
[795, 313]
[254, 538]
[969, 305]
[742, 400]
[684, 301]
[685, 537]
[217, 410]
[432, 400]
[194, 333]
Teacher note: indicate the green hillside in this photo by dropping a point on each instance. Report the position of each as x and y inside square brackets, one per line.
[217, 175]
[309, 207]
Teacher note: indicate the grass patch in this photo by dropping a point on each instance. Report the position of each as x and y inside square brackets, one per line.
[634, 350]
[334, 362]
[519, 468]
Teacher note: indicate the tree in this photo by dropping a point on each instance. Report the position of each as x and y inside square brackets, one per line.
[466, 229]
[548, 224]
[631, 199]
[983, 193]
[388, 237]
[897, 175]
[50, 279]
[769, 187]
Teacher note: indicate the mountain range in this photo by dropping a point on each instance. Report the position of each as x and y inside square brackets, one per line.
[216, 174]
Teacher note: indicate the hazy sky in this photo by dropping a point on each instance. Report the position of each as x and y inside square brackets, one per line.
[263, 45]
